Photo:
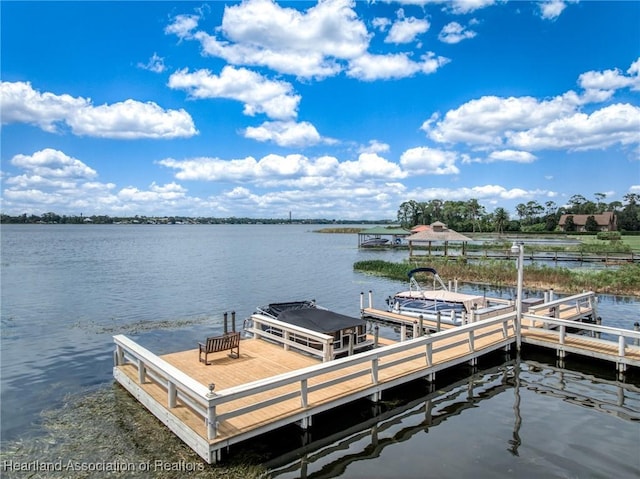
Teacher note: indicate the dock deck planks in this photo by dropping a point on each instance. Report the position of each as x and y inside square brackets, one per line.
[260, 360]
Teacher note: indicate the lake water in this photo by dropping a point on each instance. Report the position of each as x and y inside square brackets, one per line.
[67, 289]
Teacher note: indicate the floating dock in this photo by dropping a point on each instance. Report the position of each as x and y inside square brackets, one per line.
[271, 385]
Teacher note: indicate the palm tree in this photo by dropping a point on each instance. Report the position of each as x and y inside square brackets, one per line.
[501, 219]
[475, 211]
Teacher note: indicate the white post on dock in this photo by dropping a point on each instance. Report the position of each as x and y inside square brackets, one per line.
[210, 420]
[370, 299]
[518, 247]
[142, 371]
[172, 395]
[118, 357]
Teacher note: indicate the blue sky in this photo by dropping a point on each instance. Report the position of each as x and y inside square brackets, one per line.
[333, 109]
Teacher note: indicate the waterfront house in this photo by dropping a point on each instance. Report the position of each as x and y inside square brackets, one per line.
[605, 221]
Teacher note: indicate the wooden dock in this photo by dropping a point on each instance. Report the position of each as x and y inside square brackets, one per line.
[612, 258]
[579, 307]
[269, 386]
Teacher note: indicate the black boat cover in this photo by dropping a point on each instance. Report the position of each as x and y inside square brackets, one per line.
[274, 309]
[320, 320]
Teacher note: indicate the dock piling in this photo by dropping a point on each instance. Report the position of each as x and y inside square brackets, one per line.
[225, 323]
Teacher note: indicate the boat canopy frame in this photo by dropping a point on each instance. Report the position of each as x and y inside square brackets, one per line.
[414, 284]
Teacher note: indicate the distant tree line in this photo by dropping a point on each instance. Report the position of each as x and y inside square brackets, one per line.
[532, 217]
[54, 218]
[467, 216]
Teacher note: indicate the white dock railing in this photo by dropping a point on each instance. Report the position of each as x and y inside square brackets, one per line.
[291, 336]
[178, 385]
[577, 305]
[206, 403]
[558, 328]
[371, 362]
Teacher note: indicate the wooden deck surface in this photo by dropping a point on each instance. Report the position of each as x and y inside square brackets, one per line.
[585, 344]
[325, 388]
[260, 359]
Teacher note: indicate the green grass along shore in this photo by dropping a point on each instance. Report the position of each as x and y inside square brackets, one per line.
[624, 280]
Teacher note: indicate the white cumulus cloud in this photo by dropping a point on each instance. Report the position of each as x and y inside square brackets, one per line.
[454, 33]
[285, 133]
[50, 163]
[511, 155]
[371, 67]
[129, 119]
[551, 9]
[276, 99]
[429, 161]
[405, 30]
[263, 33]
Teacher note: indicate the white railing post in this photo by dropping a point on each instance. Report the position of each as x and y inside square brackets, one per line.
[471, 341]
[370, 299]
[172, 394]
[304, 400]
[142, 371]
[212, 430]
[375, 397]
[119, 356]
[621, 346]
[286, 341]
[361, 301]
[429, 355]
[327, 351]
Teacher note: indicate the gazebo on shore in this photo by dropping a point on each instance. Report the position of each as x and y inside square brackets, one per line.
[437, 232]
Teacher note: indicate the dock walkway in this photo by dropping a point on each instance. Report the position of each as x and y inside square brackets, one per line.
[175, 387]
[269, 386]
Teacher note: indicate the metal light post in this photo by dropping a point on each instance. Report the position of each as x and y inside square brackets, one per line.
[518, 248]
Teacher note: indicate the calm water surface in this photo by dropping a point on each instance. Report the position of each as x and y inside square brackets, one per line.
[66, 290]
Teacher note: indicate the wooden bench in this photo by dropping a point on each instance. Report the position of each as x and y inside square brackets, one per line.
[215, 344]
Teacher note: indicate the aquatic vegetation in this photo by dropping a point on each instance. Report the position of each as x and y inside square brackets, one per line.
[624, 280]
[106, 434]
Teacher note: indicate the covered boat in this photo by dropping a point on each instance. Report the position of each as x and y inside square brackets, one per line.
[372, 242]
[436, 300]
[349, 333]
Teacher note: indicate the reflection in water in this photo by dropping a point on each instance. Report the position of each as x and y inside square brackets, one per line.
[516, 441]
[395, 421]
[330, 456]
[610, 397]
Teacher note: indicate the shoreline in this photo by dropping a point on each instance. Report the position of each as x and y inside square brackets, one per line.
[623, 281]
